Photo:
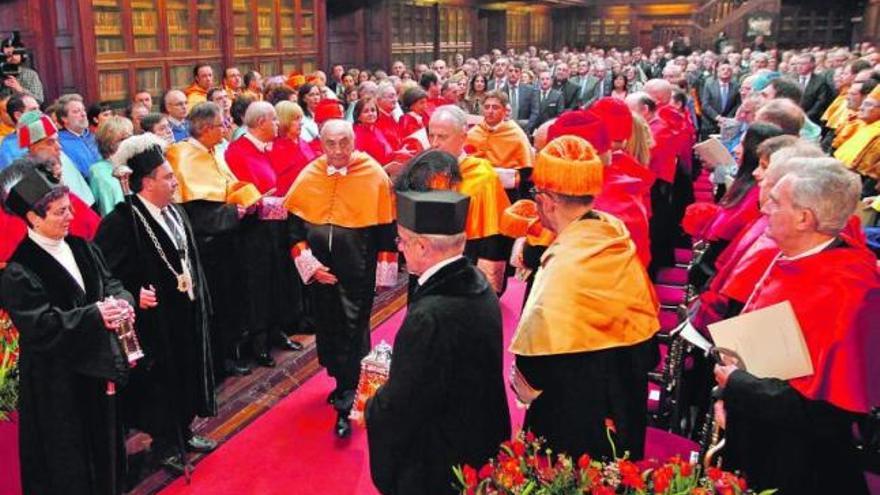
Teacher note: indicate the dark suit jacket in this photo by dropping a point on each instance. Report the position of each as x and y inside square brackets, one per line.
[525, 109]
[710, 99]
[570, 93]
[444, 402]
[490, 84]
[817, 96]
[548, 109]
[589, 92]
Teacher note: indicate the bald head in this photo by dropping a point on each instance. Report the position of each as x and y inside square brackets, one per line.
[783, 113]
[659, 90]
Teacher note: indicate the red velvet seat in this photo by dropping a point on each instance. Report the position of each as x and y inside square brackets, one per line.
[669, 295]
[683, 256]
[661, 445]
[672, 276]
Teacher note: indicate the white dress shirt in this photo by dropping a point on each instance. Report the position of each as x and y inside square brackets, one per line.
[156, 213]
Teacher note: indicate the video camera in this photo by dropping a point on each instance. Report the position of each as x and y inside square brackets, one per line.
[8, 69]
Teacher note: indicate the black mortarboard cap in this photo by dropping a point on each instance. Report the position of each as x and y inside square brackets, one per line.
[142, 164]
[22, 187]
[432, 212]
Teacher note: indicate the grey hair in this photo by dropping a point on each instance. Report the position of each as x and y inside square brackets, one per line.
[790, 159]
[201, 116]
[445, 243]
[826, 188]
[386, 87]
[368, 88]
[337, 125]
[450, 113]
[256, 111]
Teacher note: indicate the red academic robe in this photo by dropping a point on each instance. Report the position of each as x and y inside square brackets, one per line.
[84, 224]
[371, 140]
[412, 122]
[623, 191]
[665, 149]
[685, 132]
[731, 220]
[390, 129]
[836, 297]
[288, 158]
[251, 165]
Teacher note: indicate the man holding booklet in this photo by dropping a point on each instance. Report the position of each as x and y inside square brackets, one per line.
[796, 434]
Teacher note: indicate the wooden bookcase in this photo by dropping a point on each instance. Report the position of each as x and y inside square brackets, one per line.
[154, 44]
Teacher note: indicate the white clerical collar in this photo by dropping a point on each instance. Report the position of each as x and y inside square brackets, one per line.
[260, 145]
[809, 252]
[427, 274]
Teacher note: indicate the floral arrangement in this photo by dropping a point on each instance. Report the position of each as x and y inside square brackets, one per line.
[525, 467]
[8, 365]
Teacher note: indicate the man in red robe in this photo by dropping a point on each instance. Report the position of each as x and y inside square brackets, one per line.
[796, 435]
[269, 278]
[663, 164]
[387, 101]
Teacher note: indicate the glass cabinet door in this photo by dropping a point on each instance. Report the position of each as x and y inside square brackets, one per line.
[179, 33]
[107, 17]
[243, 31]
[208, 24]
[144, 25]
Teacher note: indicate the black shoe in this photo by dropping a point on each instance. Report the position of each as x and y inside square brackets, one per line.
[176, 466]
[343, 426]
[200, 444]
[236, 368]
[334, 395]
[265, 360]
[286, 344]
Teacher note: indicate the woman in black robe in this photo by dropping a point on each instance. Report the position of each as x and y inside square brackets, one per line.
[56, 288]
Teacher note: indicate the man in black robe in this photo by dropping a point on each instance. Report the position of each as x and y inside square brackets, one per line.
[150, 246]
[444, 402]
[58, 292]
[342, 231]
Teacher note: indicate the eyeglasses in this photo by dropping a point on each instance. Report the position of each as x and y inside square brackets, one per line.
[534, 191]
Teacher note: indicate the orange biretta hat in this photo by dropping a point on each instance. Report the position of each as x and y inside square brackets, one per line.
[568, 165]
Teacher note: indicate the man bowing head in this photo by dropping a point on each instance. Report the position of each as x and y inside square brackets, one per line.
[444, 402]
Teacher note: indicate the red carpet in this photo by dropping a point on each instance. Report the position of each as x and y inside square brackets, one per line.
[291, 449]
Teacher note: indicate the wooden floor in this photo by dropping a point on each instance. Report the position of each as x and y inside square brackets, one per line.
[243, 399]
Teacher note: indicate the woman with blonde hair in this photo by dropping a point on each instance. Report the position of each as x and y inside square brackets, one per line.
[105, 186]
[640, 143]
[289, 153]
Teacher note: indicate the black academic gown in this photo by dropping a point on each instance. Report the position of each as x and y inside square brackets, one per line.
[216, 229]
[175, 380]
[274, 296]
[444, 403]
[580, 390]
[780, 439]
[67, 357]
[342, 310]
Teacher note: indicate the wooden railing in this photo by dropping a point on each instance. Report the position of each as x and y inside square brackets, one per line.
[727, 16]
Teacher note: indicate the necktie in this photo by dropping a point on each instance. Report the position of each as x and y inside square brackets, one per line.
[514, 101]
[175, 232]
[343, 171]
[543, 96]
[803, 82]
[723, 97]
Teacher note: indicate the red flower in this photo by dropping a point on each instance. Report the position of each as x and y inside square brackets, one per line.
[630, 475]
[584, 461]
[530, 437]
[714, 473]
[609, 424]
[662, 478]
[742, 484]
[699, 491]
[470, 475]
[486, 471]
[603, 490]
[519, 448]
[686, 469]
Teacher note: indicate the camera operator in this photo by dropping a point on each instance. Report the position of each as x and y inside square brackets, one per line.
[16, 77]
